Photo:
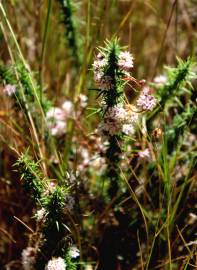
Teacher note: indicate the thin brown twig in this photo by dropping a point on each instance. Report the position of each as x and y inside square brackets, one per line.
[163, 39]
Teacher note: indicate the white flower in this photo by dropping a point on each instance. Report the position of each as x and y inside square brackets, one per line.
[28, 258]
[132, 115]
[98, 76]
[85, 158]
[40, 215]
[192, 218]
[57, 117]
[54, 159]
[103, 82]
[113, 120]
[55, 113]
[128, 129]
[56, 121]
[125, 61]
[100, 62]
[56, 264]
[144, 154]
[58, 128]
[117, 113]
[118, 119]
[73, 252]
[84, 153]
[83, 100]
[110, 127]
[9, 89]
[160, 80]
[68, 108]
[146, 101]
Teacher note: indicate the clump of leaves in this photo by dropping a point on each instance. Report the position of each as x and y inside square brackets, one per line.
[31, 175]
[69, 21]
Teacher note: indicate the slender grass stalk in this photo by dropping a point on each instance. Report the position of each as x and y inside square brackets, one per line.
[165, 163]
[168, 228]
[173, 9]
[142, 210]
[177, 203]
[29, 116]
[49, 8]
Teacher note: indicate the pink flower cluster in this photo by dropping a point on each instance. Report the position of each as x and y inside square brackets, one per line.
[73, 252]
[118, 119]
[9, 89]
[41, 214]
[146, 101]
[92, 159]
[125, 63]
[56, 264]
[160, 80]
[144, 154]
[57, 118]
[28, 258]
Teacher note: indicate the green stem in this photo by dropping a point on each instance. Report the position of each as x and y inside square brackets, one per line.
[21, 56]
